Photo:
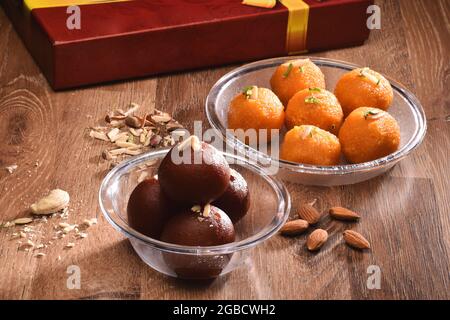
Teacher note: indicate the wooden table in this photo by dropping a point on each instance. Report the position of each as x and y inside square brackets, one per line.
[405, 212]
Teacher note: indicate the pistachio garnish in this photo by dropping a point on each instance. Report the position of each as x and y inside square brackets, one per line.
[288, 70]
[371, 113]
[312, 100]
[247, 91]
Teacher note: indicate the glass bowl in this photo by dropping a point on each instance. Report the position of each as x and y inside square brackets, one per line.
[406, 109]
[269, 210]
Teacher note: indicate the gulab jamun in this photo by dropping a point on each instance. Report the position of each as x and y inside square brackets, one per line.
[148, 208]
[295, 75]
[363, 87]
[311, 145]
[256, 108]
[235, 201]
[201, 177]
[198, 226]
[317, 107]
[368, 134]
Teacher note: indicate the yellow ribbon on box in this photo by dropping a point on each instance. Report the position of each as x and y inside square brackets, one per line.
[34, 4]
[297, 27]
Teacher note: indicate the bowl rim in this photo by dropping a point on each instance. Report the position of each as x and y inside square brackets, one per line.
[415, 105]
[283, 208]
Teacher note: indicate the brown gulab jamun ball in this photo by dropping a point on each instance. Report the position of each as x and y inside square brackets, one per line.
[235, 201]
[310, 145]
[201, 177]
[317, 107]
[295, 75]
[148, 208]
[363, 87]
[198, 226]
[368, 134]
[256, 108]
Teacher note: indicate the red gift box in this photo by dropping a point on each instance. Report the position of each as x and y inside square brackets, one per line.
[135, 38]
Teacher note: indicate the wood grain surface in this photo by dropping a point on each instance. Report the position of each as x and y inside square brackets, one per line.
[405, 212]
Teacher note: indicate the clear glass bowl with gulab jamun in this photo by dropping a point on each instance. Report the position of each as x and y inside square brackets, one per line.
[189, 211]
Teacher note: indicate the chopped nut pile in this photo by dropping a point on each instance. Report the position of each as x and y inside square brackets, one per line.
[28, 234]
[132, 134]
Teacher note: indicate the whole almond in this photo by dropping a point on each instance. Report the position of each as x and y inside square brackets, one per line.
[316, 239]
[309, 213]
[356, 240]
[341, 213]
[294, 227]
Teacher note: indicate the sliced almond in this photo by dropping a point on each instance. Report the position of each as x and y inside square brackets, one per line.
[344, 214]
[356, 240]
[306, 133]
[122, 137]
[309, 213]
[127, 145]
[55, 201]
[196, 144]
[23, 221]
[112, 134]
[192, 141]
[365, 72]
[206, 210]
[148, 139]
[142, 138]
[161, 118]
[133, 151]
[98, 135]
[294, 227]
[316, 239]
[135, 132]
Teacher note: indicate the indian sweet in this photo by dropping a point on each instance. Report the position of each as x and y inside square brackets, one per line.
[311, 145]
[256, 108]
[148, 208]
[201, 177]
[368, 134]
[198, 226]
[317, 107]
[363, 87]
[295, 75]
[235, 201]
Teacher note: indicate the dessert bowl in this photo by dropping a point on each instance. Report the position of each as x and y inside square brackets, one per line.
[269, 210]
[406, 109]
